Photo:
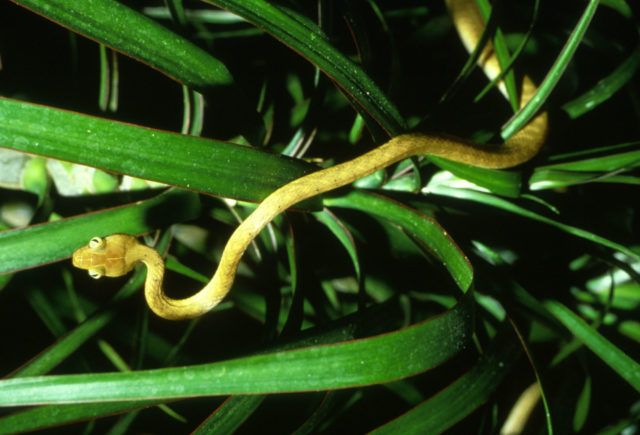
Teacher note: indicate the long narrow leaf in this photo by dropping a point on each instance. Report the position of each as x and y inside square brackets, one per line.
[69, 343]
[230, 415]
[493, 201]
[47, 416]
[53, 241]
[605, 88]
[425, 229]
[307, 39]
[117, 26]
[554, 75]
[187, 161]
[625, 366]
[130, 32]
[463, 396]
[378, 359]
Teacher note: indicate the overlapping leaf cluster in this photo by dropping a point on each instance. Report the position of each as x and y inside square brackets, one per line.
[359, 311]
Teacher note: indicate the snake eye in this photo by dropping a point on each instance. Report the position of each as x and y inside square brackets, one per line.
[94, 274]
[96, 242]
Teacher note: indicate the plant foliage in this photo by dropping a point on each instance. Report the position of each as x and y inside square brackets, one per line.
[428, 296]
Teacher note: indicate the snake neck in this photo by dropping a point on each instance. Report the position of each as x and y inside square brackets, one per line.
[165, 306]
[153, 291]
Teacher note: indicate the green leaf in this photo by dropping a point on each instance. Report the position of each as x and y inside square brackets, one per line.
[605, 88]
[421, 226]
[34, 177]
[607, 163]
[343, 235]
[620, 6]
[453, 403]
[306, 38]
[70, 342]
[191, 162]
[631, 329]
[117, 26]
[230, 415]
[48, 416]
[506, 183]
[506, 63]
[53, 415]
[582, 406]
[125, 30]
[399, 40]
[54, 241]
[511, 207]
[553, 76]
[606, 167]
[625, 367]
[382, 358]
[52, 356]
[502, 53]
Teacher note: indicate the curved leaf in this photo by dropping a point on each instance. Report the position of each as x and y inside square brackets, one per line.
[47, 416]
[134, 34]
[424, 228]
[306, 38]
[130, 32]
[191, 162]
[501, 203]
[45, 243]
[450, 405]
[382, 358]
[230, 415]
[554, 75]
[605, 88]
[623, 364]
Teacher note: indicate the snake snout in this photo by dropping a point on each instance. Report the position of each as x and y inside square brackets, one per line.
[78, 259]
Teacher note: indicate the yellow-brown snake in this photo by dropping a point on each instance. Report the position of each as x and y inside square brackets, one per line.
[117, 254]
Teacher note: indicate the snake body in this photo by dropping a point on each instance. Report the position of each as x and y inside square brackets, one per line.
[117, 254]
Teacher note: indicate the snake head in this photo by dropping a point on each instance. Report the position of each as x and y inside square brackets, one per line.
[105, 256]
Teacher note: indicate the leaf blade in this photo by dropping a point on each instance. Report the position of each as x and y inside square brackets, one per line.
[408, 351]
[53, 241]
[627, 368]
[195, 163]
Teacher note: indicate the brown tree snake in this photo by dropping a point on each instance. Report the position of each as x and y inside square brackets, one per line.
[117, 254]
